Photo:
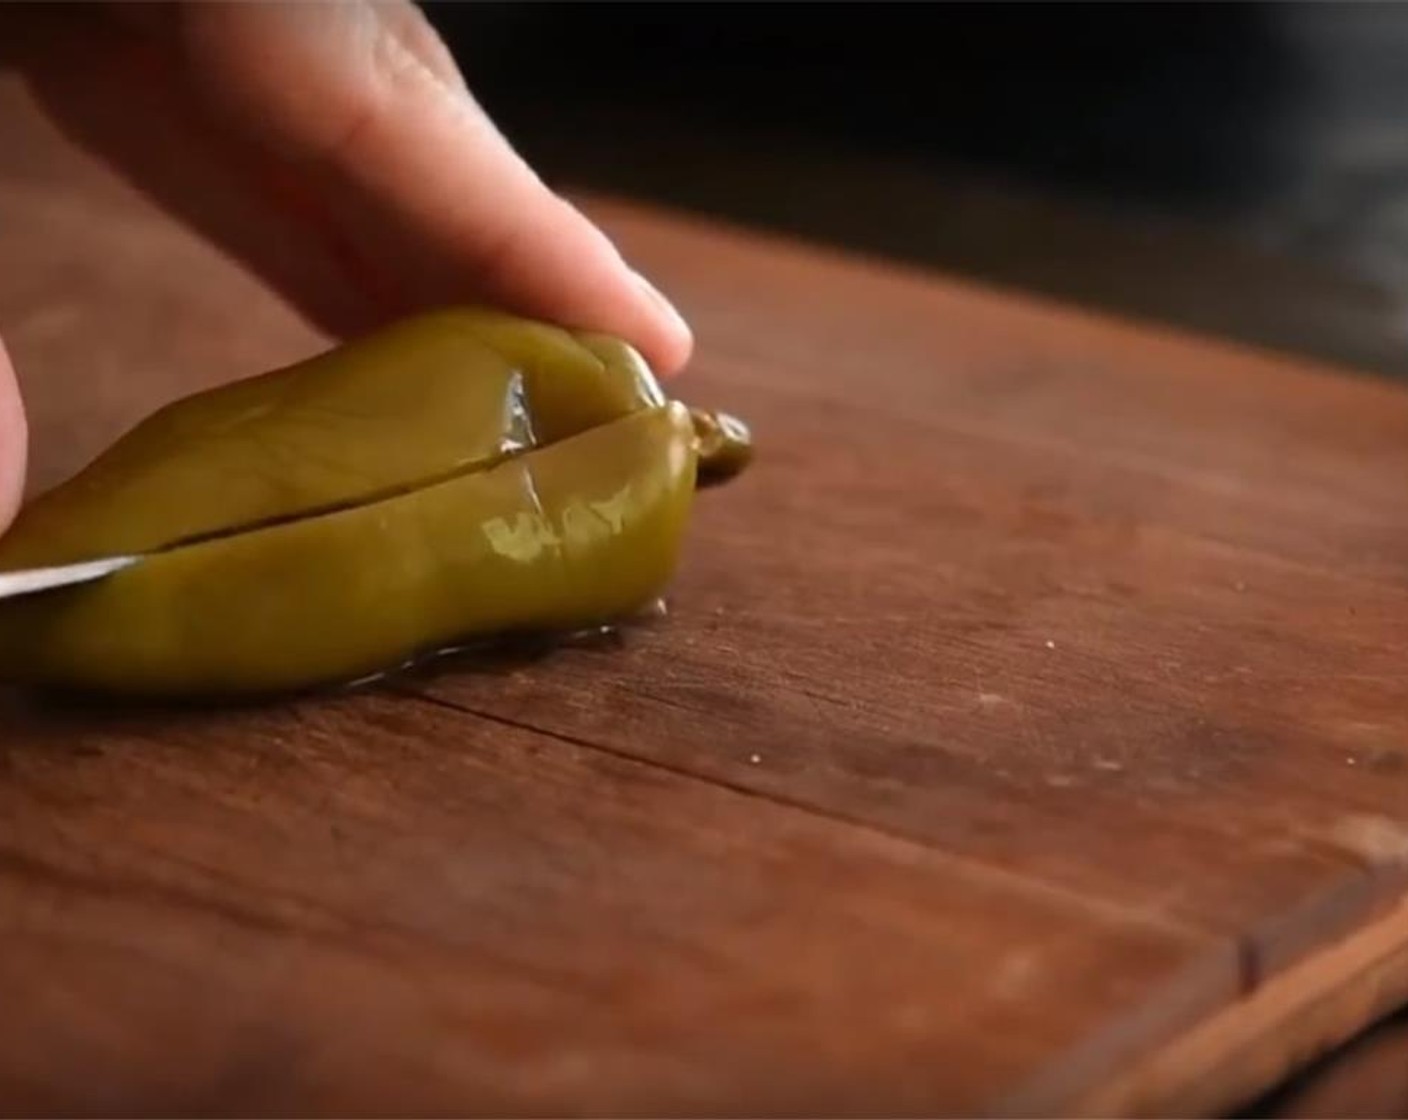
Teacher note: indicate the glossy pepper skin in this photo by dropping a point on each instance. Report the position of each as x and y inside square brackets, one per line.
[459, 475]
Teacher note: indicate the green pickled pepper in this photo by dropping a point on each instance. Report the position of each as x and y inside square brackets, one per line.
[459, 475]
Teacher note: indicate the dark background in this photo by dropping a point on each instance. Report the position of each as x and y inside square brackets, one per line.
[1234, 168]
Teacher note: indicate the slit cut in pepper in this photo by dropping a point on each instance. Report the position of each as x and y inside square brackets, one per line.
[458, 476]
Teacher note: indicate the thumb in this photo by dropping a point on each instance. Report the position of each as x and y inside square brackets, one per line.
[12, 441]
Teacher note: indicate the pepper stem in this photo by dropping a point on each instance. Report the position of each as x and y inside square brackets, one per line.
[725, 446]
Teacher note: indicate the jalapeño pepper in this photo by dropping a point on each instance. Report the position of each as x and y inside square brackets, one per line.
[459, 475]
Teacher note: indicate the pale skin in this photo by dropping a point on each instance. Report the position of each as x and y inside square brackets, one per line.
[336, 150]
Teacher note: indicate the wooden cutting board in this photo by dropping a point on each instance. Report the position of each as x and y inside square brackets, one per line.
[1028, 733]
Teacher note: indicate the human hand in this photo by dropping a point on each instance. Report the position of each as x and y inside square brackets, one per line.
[335, 150]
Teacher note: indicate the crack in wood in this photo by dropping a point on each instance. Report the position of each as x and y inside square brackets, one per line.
[1106, 911]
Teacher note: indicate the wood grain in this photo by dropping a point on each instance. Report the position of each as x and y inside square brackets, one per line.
[1033, 711]
[379, 905]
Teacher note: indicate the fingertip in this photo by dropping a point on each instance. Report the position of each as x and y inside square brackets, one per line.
[13, 442]
[667, 340]
[569, 268]
[549, 260]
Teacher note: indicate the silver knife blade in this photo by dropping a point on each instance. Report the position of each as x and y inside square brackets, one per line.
[33, 580]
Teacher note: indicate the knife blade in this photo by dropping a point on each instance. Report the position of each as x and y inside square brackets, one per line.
[33, 580]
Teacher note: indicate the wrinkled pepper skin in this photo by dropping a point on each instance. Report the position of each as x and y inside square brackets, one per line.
[461, 475]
